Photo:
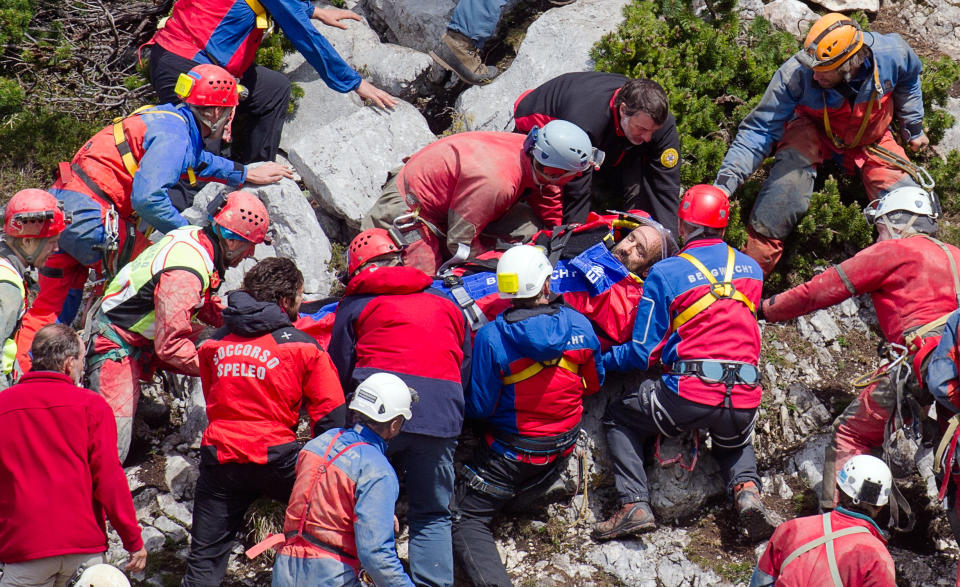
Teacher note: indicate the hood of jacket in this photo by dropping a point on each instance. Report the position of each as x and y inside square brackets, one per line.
[388, 280]
[246, 316]
[541, 333]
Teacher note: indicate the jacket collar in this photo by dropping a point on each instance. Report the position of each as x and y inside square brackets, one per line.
[701, 242]
[36, 376]
[874, 529]
[370, 437]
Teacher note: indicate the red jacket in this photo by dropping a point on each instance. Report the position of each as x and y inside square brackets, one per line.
[392, 320]
[909, 280]
[464, 182]
[862, 558]
[255, 372]
[59, 472]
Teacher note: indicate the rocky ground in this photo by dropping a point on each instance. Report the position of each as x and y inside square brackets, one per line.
[342, 151]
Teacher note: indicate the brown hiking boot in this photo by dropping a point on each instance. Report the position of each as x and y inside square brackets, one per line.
[755, 520]
[631, 518]
[457, 53]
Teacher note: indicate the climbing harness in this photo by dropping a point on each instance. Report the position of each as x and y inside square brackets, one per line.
[678, 458]
[875, 96]
[536, 367]
[829, 536]
[918, 173]
[718, 290]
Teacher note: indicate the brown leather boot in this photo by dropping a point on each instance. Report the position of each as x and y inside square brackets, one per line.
[631, 518]
[458, 53]
[755, 520]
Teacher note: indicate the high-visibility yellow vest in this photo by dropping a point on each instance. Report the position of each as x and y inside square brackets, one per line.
[9, 274]
[128, 301]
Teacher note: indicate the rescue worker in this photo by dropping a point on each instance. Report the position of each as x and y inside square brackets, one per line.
[846, 544]
[99, 575]
[32, 221]
[630, 121]
[228, 33]
[390, 313]
[913, 281]
[340, 518]
[120, 178]
[59, 474]
[448, 193]
[145, 321]
[256, 371]
[697, 323]
[471, 25]
[833, 100]
[531, 369]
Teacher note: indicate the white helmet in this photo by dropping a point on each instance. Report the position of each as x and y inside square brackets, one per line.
[867, 479]
[101, 575]
[563, 145]
[522, 271]
[382, 397]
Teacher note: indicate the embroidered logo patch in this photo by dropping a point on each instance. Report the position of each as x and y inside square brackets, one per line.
[669, 158]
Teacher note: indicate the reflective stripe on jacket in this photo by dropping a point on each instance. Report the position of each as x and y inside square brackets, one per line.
[9, 274]
[128, 301]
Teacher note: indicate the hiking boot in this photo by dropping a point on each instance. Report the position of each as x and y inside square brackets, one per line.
[755, 520]
[631, 518]
[457, 53]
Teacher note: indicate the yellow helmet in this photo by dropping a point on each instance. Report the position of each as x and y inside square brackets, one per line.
[832, 40]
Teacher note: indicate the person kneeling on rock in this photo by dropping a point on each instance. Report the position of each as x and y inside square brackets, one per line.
[845, 544]
[531, 369]
[703, 332]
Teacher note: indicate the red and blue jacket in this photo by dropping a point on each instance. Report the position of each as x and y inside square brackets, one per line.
[257, 371]
[726, 330]
[793, 93]
[546, 400]
[341, 507]
[166, 142]
[225, 33]
[391, 320]
[942, 377]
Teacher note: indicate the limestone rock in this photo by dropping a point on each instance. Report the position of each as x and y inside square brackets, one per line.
[412, 23]
[951, 139]
[398, 70]
[656, 559]
[677, 494]
[180, 475]
[557, 42]
[153, 539]
[172, 530]
[871, 6]
[345, 172]
[826, 326]
[791, 16]
[935, 21]
[176, 511]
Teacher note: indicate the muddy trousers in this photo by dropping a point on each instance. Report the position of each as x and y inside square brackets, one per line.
[785, 196]
[115, 375]
[859, 430]
[473, 542]
[224, 493]
[651, 409]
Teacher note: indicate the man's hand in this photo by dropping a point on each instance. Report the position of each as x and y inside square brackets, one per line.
[269, 172]
[138, 561]
[368, 91]
[333, 16]
[918, 143]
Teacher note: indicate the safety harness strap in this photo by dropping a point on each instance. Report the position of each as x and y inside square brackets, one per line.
[846, 280]
[718, 290]
[874, 96]
[535, 368]
[953, 266]
[261, 12]
[828, 537]
[120, 138]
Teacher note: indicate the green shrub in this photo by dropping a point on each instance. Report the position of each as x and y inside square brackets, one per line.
[714, 73]
[14, 16]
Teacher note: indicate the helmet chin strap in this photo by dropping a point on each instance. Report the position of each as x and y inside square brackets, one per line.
[214, 126]
[28, 258]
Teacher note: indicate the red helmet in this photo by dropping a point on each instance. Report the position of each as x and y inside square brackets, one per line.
[705, 205]
[208, 85]
[34, 213]
[243, 215]
[368, 245]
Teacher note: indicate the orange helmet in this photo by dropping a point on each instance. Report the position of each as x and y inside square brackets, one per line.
[368, 245]
[705, 205]
[832, 40]
[241, 215]
[208, 85]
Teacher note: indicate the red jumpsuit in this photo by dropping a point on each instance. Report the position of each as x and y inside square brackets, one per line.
[911, 284]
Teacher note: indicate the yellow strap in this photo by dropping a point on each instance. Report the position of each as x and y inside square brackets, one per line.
[535, 368]
[874, 95]
[718, 290]
[191, 176]
[261, 12]
[131, 164]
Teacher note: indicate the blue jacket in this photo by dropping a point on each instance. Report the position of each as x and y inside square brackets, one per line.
[792, 92]
[941, 377]
[344, 497]
[550, 402]
[726, 330]
[166, 142]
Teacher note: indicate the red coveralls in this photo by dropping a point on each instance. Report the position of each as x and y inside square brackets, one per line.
[911, 284]
[861, 557]
[459, 185]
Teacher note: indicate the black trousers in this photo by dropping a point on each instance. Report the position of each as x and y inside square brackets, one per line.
[224, 492]
[473, 542]
[259, 119]
[652, 409]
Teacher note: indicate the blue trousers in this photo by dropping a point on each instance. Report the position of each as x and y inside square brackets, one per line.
[427, 462]
[476, 19]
